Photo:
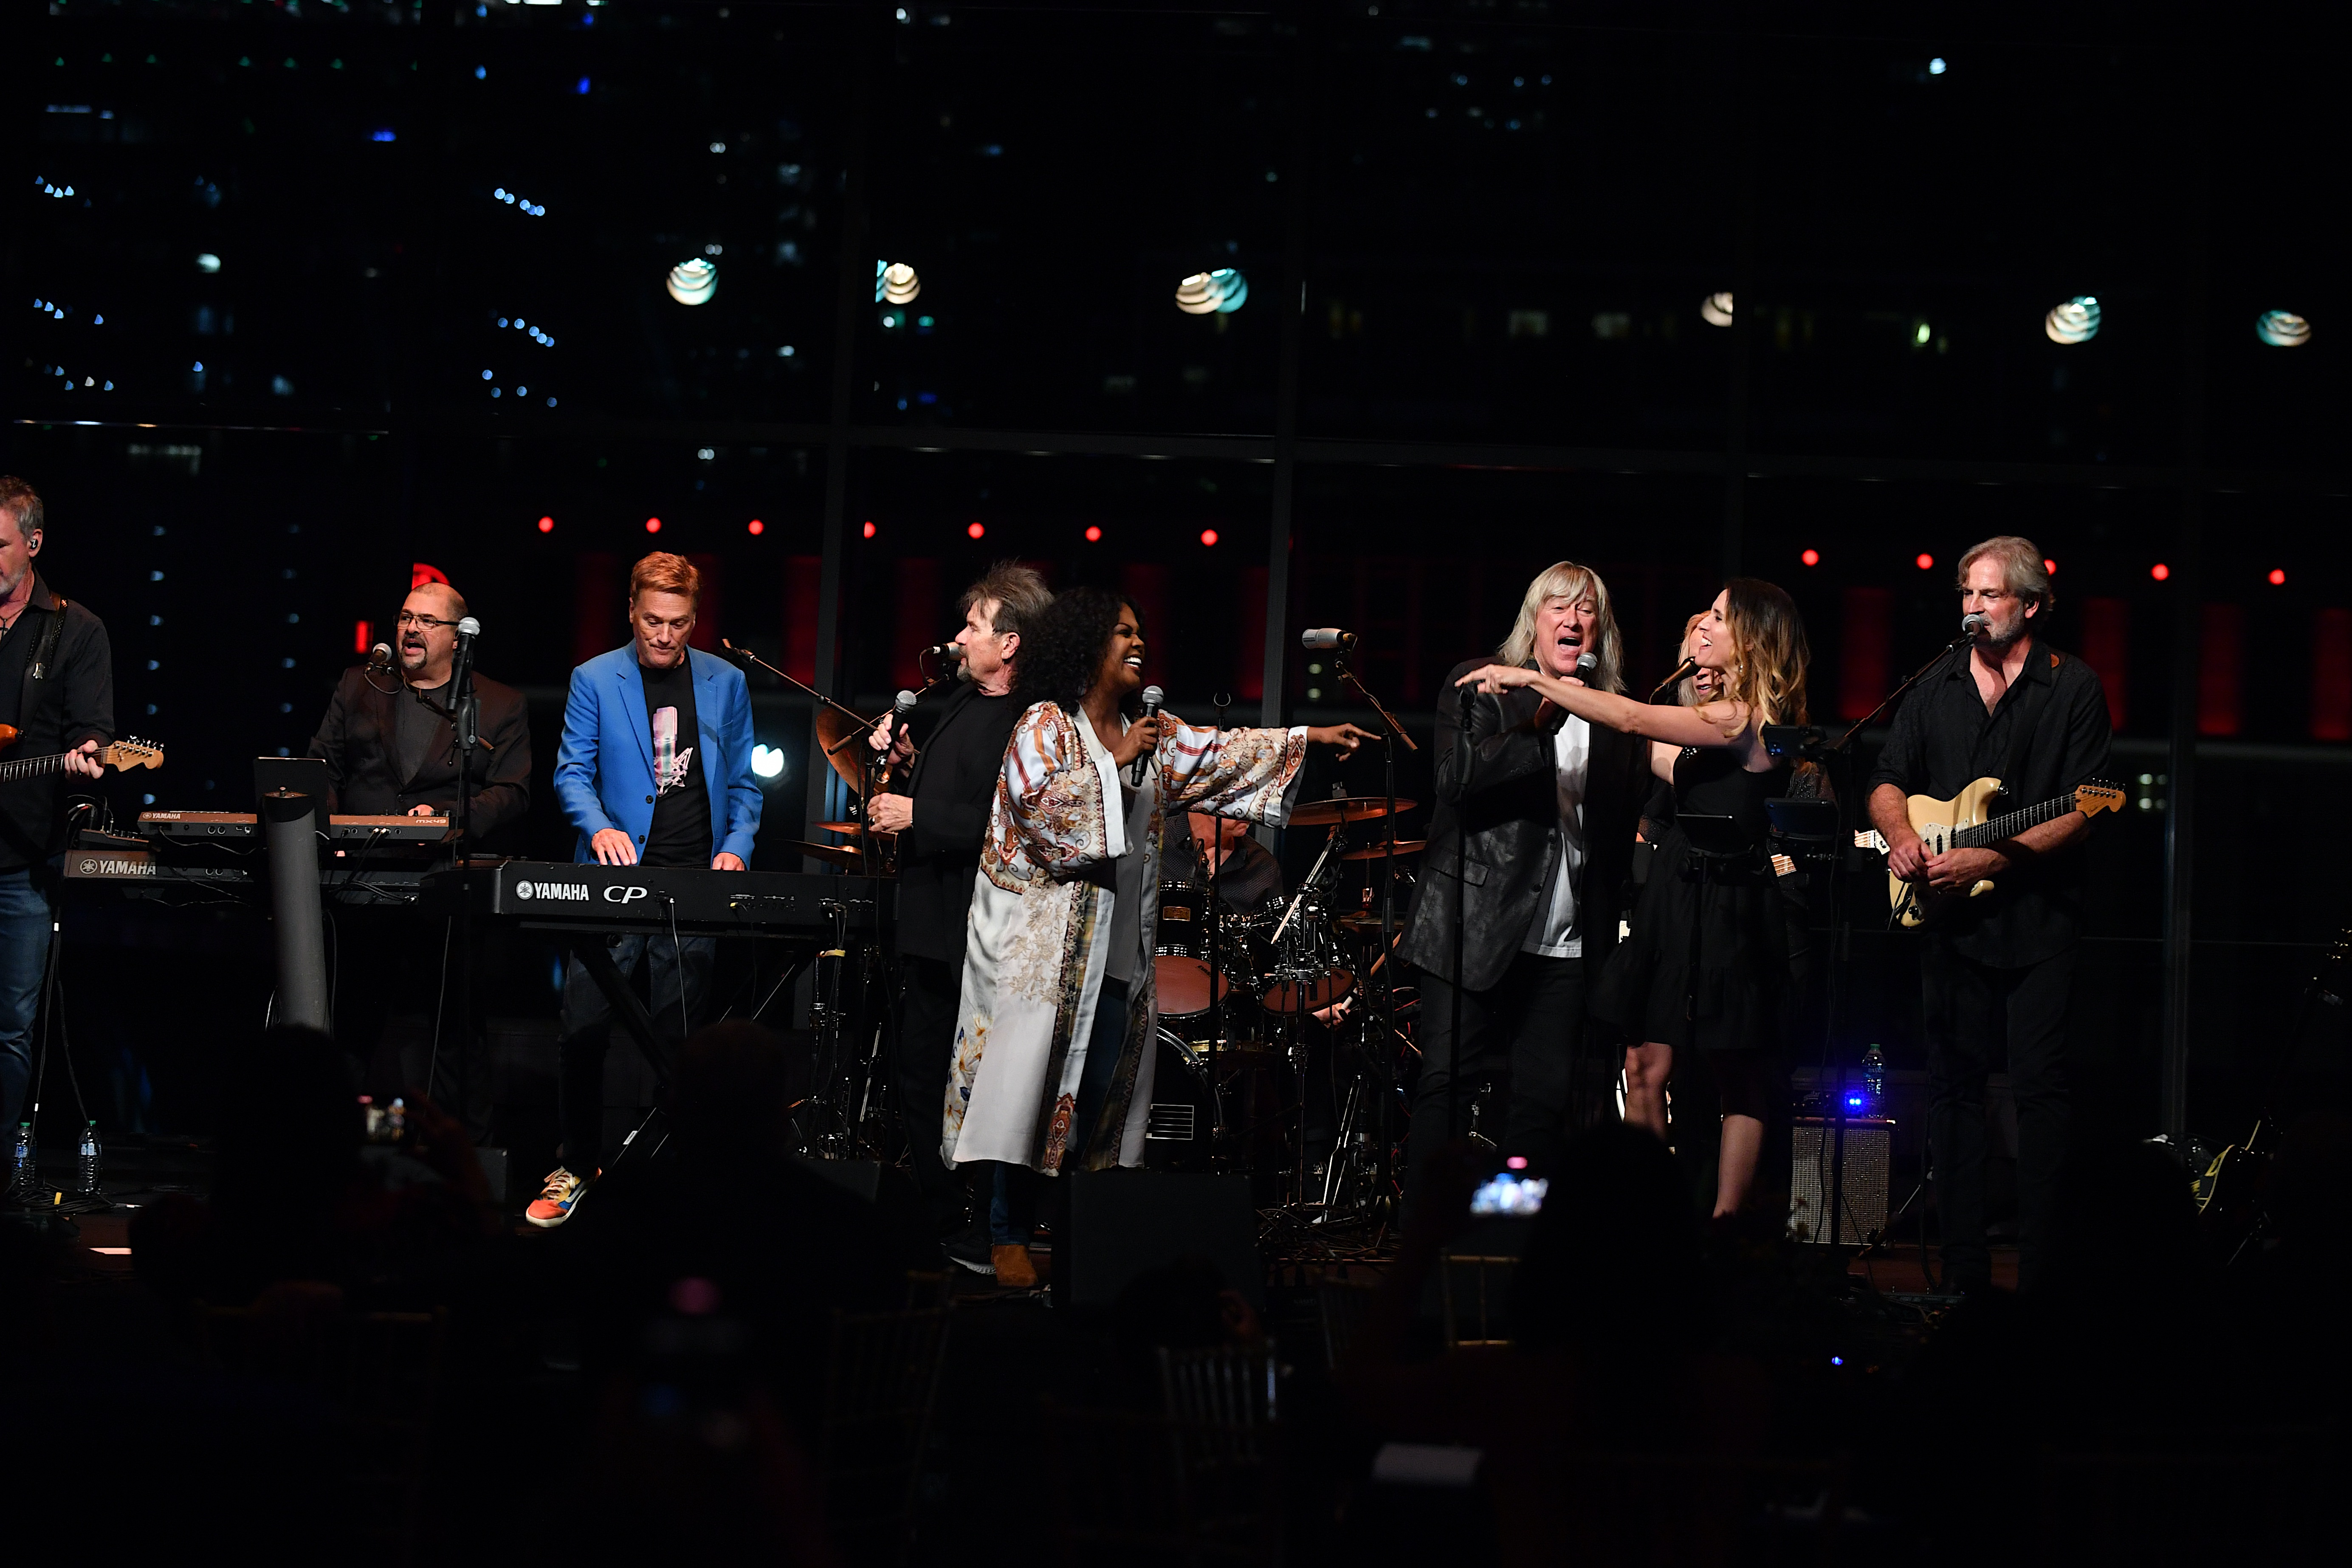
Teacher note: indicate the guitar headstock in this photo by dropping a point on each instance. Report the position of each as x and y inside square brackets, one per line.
[2098, 795]
[132, 752]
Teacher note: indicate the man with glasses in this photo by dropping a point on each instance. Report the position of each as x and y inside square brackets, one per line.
[391, 750]
[388, 738]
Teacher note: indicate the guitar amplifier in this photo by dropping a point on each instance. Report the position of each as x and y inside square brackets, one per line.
[1869, 1146]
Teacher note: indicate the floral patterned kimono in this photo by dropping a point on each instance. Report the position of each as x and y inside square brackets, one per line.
[1037, 945]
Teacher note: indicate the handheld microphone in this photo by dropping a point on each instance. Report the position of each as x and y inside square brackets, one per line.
[901, 707]
[1971, 623]
[1152, 696]
[1682, 672]
[1326, 637]
[1586, 663]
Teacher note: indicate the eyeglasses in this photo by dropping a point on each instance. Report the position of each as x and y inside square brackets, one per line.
[408, 618]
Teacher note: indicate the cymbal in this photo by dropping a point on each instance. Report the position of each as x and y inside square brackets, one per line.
[1347, 808]
[843, 827]
[833, 727]
[1380, 851]
[839, 855]
[1367, 922]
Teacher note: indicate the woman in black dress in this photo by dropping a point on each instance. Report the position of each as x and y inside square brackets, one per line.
[1707, 963]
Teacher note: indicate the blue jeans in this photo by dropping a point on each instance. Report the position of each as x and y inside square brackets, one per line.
[25, 918]
[585, 1023]
[1012, 1189]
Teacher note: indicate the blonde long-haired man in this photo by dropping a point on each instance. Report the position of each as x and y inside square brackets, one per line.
[1542, 806]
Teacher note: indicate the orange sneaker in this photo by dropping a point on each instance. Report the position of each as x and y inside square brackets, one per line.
[556, 1200]
[1014, 1269]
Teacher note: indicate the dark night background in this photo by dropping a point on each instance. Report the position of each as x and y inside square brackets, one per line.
[255, 365]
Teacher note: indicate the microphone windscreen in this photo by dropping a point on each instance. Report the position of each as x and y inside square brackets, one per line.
[905, 700]
[1319, 637]
[1153, 696]
[1586, 663]
[469, 627]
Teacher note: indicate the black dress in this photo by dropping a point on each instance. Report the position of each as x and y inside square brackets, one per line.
[1722, 909]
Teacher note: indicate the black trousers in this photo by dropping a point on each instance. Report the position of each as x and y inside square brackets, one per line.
[1532, 1023]
[674, 973]
[1969, 1010]
[921, 1048]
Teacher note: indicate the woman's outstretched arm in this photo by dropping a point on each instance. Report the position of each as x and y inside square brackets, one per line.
[1710, 724]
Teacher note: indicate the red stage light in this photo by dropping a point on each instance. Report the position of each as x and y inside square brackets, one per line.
[547, 525]
[362, 635]
[1925, 560]
[869, 530]
[2159, 571]
[1811, 558]
[2278, 576]
[974, 530]
[1208, 536]
[1094, 534]
[2050, 566]
[653, 525]
[757, 527]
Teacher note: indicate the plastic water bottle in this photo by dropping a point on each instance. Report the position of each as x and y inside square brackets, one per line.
[1874, 1077]
[87, 1156]
[24, 1175]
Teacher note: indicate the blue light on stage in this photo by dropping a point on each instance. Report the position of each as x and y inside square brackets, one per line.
[582, 86]
[2074, 321]
[1854, 1100]
[767, 762]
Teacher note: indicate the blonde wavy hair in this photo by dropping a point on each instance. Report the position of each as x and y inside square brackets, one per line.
[1768, 650]
[1572, 582]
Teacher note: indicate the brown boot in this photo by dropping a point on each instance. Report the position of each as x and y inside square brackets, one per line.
[1014, 1269]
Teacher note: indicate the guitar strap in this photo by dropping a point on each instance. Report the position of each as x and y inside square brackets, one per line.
[2021, 721]
[38, 669]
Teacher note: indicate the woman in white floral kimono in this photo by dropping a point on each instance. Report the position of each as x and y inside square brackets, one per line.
[1052, 1055]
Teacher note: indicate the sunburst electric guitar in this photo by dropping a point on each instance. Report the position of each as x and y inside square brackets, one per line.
[1964, 822]
[125, 754]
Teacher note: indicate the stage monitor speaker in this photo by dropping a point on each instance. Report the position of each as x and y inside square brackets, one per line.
[1123, 1223]
[898, 1206]
[1868, 1145]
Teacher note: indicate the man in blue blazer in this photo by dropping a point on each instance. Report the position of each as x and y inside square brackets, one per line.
[654, 769]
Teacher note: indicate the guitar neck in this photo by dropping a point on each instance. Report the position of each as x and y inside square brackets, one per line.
[32, 767]
[2012, 824]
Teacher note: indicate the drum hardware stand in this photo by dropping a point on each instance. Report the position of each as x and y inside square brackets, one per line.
[1214, 914]
[1385, 1011]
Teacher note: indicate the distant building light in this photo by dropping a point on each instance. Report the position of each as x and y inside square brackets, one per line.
[480, 72]
[785, 353]
[581, 86]
[383, 133]
[1716, 309]
[207, 262]
[1937, 66]
[2074, 321]
[2282, 328]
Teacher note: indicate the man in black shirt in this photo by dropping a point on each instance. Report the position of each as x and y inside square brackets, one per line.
[56, 694]
[940, 815]
[2001, 964]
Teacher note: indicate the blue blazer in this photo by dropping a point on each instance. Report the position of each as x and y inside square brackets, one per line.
[605, 769]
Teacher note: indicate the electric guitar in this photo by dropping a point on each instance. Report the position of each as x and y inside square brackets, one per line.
[125, 754]
[1960, 823]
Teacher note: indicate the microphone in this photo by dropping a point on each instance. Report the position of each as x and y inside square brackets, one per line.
[901, 707]
[468, 630]
[955, 650]
[1682, 672]
[1586, 663]
[379, 658]
[1971, 623]
[1152, 696]
[1326, 637]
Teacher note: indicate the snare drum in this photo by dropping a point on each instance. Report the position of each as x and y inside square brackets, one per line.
[1301, 972]
[1180, 960]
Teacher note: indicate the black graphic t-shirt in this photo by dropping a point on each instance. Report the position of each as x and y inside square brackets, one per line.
[680, 835]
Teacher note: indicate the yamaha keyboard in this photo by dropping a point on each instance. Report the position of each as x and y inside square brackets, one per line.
[244, 826]
[648, 899]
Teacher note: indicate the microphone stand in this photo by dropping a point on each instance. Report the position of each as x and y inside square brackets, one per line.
[1216, 917]
[866, 850]
[1387, 1010]
[465, 725]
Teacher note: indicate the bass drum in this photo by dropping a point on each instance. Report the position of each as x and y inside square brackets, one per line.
[1180, 1126]
[1179, 960]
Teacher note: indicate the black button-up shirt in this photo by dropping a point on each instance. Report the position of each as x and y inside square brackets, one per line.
[72, 701]
[1943, 740]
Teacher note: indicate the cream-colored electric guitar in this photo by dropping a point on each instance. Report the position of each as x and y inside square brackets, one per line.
[1961, 823]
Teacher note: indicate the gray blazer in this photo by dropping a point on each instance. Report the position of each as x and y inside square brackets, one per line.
[1500, 791]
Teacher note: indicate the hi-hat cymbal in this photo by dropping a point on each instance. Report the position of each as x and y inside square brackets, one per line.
[1380, 851]
[839, 855]
[833, 728]
[1347, 808]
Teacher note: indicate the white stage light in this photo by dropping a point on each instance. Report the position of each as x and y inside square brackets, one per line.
[2282, 329]
[693, 282]
[1716, 309]
[2075, 321]
[1217, 293]
[898, 284]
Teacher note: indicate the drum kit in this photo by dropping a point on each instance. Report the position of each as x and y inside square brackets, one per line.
[1278, 1045]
